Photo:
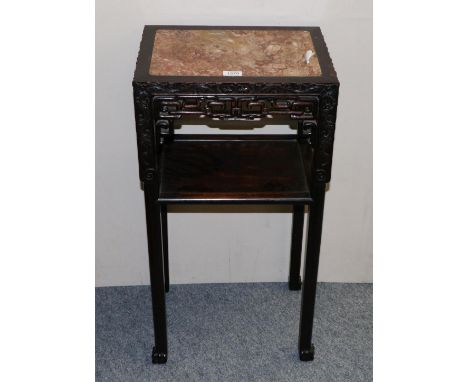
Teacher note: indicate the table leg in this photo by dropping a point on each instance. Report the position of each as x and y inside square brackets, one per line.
[165, 245]
[156, 265]
[309, 287]
[296, 247]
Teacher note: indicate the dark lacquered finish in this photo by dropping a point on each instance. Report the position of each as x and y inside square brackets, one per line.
[165, 240]
[207, 171]
[156, 265]
[273, 169]
[314, 234]
[296, 247]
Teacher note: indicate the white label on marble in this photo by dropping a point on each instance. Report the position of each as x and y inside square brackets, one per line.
[232, 73]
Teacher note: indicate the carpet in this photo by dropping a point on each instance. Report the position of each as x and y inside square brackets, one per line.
[234, 332]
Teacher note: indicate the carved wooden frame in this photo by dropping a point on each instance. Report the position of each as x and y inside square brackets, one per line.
[158, 104]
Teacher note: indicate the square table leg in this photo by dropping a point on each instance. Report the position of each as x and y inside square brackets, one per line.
[296, 247]
[156, 265]
[165, 245]
[309, 287]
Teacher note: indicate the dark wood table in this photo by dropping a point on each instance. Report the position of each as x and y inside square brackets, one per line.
[235, 73]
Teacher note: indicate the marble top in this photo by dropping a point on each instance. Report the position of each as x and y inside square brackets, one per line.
[256, 53]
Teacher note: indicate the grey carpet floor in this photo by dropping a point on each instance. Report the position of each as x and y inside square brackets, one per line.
[234, 332]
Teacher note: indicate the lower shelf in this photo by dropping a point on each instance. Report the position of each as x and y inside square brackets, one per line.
[208, 170]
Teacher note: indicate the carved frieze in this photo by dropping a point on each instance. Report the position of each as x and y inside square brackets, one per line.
[236, 107]
[313, 104]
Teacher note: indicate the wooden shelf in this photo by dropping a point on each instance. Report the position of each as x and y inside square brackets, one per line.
[218, 169]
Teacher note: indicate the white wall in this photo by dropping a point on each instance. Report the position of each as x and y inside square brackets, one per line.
[224, 246]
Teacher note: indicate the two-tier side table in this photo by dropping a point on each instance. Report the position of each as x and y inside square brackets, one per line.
[241, 74]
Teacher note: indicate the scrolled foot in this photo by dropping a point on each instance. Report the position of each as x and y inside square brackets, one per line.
[295, 284]
[307, 354]
[158, 357]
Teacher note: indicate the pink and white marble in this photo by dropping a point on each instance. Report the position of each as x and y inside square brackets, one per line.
[257, 53]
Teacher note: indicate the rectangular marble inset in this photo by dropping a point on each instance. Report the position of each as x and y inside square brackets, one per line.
[256, 53]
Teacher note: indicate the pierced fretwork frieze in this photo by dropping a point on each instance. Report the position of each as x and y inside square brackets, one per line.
[237, 107]
[313, 106]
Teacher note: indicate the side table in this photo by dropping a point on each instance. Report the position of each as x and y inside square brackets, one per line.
[235, 73]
